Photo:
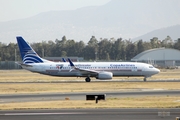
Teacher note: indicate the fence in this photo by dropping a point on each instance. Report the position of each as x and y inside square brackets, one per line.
[8, 65]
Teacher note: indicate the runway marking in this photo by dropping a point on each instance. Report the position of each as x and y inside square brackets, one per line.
[21, 114]
[93, 113]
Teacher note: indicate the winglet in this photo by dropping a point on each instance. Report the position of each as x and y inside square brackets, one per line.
[70, 62]
[72, 65]
[63, 59]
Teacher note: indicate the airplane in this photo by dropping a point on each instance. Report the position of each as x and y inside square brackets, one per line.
[100, 70]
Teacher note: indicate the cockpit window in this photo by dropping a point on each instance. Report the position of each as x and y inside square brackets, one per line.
[151, 67]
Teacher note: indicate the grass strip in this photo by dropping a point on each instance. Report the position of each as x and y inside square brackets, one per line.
[17, 88]
[129, 102]
[27, 76]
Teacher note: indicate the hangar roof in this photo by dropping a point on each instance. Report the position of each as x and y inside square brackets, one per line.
[158, 54]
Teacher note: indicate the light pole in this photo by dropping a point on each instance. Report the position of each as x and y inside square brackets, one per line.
[95, 56]
[42, 52]
[15, 55]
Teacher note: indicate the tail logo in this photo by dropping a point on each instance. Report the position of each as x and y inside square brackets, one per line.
[31, 57]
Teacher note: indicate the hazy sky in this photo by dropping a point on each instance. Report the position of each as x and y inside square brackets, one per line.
[17, 9]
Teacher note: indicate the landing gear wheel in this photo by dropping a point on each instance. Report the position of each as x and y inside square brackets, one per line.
[144, 79]
[88, 79]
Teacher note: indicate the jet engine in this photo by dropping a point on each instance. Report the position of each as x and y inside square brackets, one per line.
[104, 75]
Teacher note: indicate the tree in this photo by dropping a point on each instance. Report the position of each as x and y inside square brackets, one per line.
[155, 43]
[79, 48]
[104, 49]
[130, 51]
[167, 42]
[70, 48]
[116, 49]
[91, 50]
[63, 53]
[177, 44]
[112, 49]
[140, 46]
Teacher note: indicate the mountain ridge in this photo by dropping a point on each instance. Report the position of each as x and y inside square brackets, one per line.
[162, 33]
[118, 18]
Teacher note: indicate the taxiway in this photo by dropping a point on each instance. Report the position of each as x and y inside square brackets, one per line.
[91, 114]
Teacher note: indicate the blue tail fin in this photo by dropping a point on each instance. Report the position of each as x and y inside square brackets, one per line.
[63, 59]
[28, 55]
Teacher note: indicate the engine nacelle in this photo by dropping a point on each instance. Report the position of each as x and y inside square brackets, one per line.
[104, 75]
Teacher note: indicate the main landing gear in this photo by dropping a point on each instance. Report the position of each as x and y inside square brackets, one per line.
[145, 79]
[88, 79]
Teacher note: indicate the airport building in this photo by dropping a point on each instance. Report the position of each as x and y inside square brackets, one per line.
[162, 57]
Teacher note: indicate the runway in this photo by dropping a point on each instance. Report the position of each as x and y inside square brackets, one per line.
[82, 96]
[88, 114]
[91, 114]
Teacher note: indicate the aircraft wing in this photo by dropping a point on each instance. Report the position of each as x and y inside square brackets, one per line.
[82, 70]
[87, 70]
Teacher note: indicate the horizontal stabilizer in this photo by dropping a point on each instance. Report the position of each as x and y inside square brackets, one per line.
[22, 64]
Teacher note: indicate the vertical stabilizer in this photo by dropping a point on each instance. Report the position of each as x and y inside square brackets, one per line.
[28, 55]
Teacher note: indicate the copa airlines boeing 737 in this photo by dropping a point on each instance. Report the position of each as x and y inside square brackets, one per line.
[100, 70]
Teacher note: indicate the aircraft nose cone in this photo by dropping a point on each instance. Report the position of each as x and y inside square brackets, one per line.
[158, 71]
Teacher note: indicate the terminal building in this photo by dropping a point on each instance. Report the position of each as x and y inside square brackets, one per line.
[162, 57]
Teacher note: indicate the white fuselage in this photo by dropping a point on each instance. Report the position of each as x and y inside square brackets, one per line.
[117, 68]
